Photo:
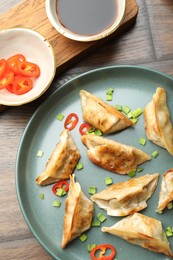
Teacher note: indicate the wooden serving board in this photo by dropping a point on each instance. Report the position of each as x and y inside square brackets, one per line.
[32, 14]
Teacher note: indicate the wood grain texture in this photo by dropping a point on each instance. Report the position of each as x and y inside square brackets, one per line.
[148, 43]
[32, 14]
[23, 249]
[161, 21]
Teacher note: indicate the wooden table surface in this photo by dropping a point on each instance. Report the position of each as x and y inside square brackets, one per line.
[148, 43]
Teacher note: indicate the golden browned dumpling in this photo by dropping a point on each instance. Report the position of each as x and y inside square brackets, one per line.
[166, 190]
[78, 214]
[158, 124]
[143, 231]
[62, 161]
[124, 198]
[113, 156]
[101, 115]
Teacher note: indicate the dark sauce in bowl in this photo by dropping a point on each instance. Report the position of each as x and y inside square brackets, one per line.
[87, 17]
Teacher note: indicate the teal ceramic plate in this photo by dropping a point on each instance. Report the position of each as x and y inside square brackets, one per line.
[133, 86]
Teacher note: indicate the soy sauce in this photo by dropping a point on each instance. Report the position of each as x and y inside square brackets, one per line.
[87, 17]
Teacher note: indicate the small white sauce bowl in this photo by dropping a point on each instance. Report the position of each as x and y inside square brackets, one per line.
[53, 18]
[36, 49]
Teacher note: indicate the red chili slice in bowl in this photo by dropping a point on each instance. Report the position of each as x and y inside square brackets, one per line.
[28, 69]
[12, 62]
[20, 85]
[6, 79]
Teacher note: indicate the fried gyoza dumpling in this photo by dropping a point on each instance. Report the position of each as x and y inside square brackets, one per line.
[124, 198]
[62, 161]
[113, 156]
[166, 191]
[143, 231]
[101, 115]
[78, 214]
[158, 125]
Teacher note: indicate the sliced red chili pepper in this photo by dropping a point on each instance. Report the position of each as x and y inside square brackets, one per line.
[10, 87]
[13, 61]
[103, 248]
[6, 79]
[60, 184]
[22, 85]
[71, 121]
[2, 67]
[84, 128]
[28, 69]
[19, 57]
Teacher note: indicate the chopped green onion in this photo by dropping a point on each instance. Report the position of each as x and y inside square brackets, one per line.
[90, 133]
[40, 153]
[109, 94]
[60, 117]
[170, 205]
[79, 166]
[132, 173]
[101, 217]
[96, 223]
[42, 196]
[142, 141]
[129, 115]
[110, 91]
[118, 107]
[91, 130]
[83, 238]
[155, 154]
[169, 232]
[90, 247]
[126, 110]
[109, 97]
[98, 132]
[137, 112]
[140, 169]
[56, 203]
[169, 229]
[92, 190]
[159, 211]
[60, 192]
[108, 181]
[135, 120]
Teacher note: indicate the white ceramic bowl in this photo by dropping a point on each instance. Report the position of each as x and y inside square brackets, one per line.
[36, 49]
[53, 18]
